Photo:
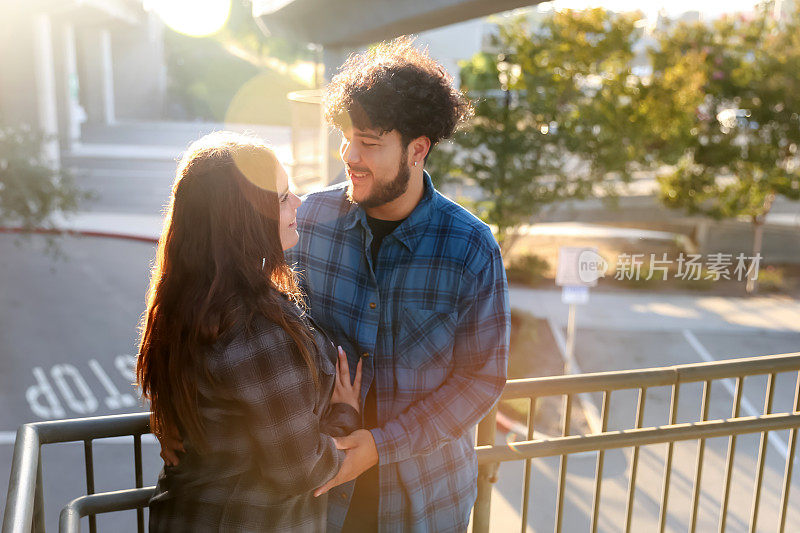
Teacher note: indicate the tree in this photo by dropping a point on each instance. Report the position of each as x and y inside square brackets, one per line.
[736, 150]
[31, 190]
[566, 126]
[499, 152]
[206, 73]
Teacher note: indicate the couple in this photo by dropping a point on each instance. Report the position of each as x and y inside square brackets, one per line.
[281, 430]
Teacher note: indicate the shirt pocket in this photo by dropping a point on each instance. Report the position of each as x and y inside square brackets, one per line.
[425, 338]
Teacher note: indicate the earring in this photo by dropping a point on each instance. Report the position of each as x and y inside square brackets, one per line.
[415, 163]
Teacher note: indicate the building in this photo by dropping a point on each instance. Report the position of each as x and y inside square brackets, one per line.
[66, 63]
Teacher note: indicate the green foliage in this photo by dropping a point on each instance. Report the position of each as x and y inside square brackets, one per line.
[528, 269]
[577, 74]
[567, 124]
[771, 279]
[31, 191]
[204, 74]
[720, 112]
[736, 148]
[204, 77]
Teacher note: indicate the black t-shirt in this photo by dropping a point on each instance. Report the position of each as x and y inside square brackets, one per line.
[380, 229]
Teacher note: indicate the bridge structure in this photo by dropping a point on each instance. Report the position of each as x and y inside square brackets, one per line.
[344, 26]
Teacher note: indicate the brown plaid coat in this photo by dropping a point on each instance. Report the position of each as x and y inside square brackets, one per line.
[268, 432]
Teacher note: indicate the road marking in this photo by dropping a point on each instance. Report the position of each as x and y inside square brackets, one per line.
[9, 437]
[780, 446]
[78, 396]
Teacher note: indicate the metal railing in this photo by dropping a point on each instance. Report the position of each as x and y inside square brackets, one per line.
[606, 383]
[25, 502]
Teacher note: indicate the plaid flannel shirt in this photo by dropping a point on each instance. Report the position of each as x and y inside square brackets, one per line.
[268, 429]
[431, 319]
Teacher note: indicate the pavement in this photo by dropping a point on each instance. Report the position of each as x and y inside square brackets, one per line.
[636, 311]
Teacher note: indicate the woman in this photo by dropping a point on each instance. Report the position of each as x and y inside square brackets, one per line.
[229, 361]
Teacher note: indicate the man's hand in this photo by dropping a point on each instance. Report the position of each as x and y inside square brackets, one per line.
[360, 455]
[171, 443]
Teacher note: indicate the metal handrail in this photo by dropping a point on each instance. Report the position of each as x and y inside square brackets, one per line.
[551, 447]
[24, 504]
[25, 501]
[650, 377]
[570, 386]
[121, 500]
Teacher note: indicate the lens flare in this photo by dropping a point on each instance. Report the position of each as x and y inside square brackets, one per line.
[196, 18]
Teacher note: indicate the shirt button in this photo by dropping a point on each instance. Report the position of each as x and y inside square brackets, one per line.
[365, 354]
[372, 305]
[343, 496]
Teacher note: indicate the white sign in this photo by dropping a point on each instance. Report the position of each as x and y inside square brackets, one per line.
[579, 265]
[575, 294]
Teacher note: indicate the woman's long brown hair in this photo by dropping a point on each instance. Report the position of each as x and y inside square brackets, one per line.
[219, 263]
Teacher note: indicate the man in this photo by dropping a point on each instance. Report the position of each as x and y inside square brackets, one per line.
[412, 284]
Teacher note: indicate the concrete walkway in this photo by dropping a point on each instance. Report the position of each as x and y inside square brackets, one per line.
[664, 312]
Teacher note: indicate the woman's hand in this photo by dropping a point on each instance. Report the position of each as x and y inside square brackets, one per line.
[343, 390]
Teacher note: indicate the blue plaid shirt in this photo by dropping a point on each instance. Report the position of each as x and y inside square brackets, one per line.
[431, 319]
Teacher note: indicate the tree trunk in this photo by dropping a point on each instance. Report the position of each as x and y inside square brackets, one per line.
[758, 232]
[700, 236]
[509, 239]
[758, 235]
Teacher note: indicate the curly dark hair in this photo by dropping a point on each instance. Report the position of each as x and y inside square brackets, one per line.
[396, 86]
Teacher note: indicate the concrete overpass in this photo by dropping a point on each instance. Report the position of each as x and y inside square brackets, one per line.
[345, 25]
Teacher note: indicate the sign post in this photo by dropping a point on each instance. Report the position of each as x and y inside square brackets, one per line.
[578, 269]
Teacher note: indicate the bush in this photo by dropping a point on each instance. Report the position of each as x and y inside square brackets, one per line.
[31, 190]
[203, 78]
[528, 269]
[642, 282]
[771, 279]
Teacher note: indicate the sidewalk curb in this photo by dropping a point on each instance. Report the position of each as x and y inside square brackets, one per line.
[76, 232]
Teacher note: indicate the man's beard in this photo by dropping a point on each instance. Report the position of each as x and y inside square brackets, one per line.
[383, 193]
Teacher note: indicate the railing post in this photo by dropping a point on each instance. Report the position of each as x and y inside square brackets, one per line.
[24, 509]
[487, 475]
[38, 499]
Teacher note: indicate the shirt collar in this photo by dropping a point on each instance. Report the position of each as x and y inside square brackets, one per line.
[413, 227]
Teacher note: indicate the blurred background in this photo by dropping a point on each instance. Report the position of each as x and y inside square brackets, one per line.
[661, 136]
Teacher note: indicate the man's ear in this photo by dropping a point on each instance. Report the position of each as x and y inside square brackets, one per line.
[418, 150]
